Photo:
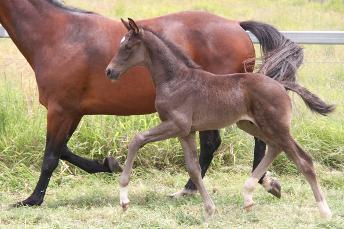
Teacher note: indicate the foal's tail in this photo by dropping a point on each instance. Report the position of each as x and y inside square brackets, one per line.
[313, 102]
[281, 56]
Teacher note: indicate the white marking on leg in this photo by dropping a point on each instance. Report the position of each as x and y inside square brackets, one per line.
[248, 190]
[123, 196]
[324, 209]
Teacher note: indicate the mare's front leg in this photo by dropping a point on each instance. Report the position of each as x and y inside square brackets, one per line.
[58, 126]
[164, 130]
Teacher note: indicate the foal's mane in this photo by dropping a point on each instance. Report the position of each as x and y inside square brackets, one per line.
[61, 5]
[177, 51]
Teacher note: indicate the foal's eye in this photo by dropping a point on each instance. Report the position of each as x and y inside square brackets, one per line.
[127, 47]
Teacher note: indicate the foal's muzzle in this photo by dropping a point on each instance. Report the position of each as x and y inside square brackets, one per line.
[112, 74]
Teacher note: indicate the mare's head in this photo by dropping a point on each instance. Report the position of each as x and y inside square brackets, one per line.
[131, 51]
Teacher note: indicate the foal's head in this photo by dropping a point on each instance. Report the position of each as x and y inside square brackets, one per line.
[131, 51]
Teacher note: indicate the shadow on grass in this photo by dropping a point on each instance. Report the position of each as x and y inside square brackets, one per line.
[145, 199]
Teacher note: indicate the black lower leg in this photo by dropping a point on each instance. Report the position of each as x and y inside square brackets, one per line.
[50, 162]
[109, 164]
[259, 152]
[210, 142]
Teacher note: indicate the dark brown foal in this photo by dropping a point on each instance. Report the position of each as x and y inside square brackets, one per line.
[258, 104]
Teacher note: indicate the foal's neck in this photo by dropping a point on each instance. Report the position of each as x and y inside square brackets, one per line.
[163, 65]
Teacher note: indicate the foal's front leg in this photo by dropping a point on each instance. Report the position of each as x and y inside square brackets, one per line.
[194, 170]
[164, 130]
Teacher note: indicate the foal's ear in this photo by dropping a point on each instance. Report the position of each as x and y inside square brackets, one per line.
[133, 26]
[126, 24]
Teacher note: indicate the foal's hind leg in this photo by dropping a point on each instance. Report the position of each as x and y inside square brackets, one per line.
[270, 184]
[262, 167]
[194, 170]
[305, 164]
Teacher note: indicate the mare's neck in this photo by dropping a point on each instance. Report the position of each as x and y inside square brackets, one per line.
[163, 65]
[29, 23]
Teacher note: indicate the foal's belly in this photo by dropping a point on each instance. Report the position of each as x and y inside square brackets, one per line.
[215, 122]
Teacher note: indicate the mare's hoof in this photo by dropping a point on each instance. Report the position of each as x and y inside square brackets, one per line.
[112, 164]
[125, 206]
[182, 193]
[28, 202]
[275, 189]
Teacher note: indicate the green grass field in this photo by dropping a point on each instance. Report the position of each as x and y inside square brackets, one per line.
[77, 200]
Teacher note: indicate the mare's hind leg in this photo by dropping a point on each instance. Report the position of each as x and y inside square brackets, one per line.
[194, 170]
[109, 164]
[305, 164]
[210, 141]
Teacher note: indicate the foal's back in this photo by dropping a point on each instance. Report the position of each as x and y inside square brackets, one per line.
[227, 99]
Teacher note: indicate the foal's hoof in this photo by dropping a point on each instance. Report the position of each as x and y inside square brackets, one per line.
[275, 189]
[210, 212]
[125, 206]
[112, 164]
[324, 209]
[272, 185]
[182, 193]
[326, 215]
[249, 207]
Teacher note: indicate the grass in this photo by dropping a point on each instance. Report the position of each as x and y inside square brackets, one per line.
[71, 202]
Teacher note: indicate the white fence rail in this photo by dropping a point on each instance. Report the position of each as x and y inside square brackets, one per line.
[312, 37]
[301, 37]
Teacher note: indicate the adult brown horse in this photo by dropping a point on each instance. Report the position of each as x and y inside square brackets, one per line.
[69, 49]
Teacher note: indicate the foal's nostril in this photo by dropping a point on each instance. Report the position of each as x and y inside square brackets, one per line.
[108, 72]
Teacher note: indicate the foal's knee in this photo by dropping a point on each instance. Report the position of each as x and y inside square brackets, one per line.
[194, 170]
[137, 141]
